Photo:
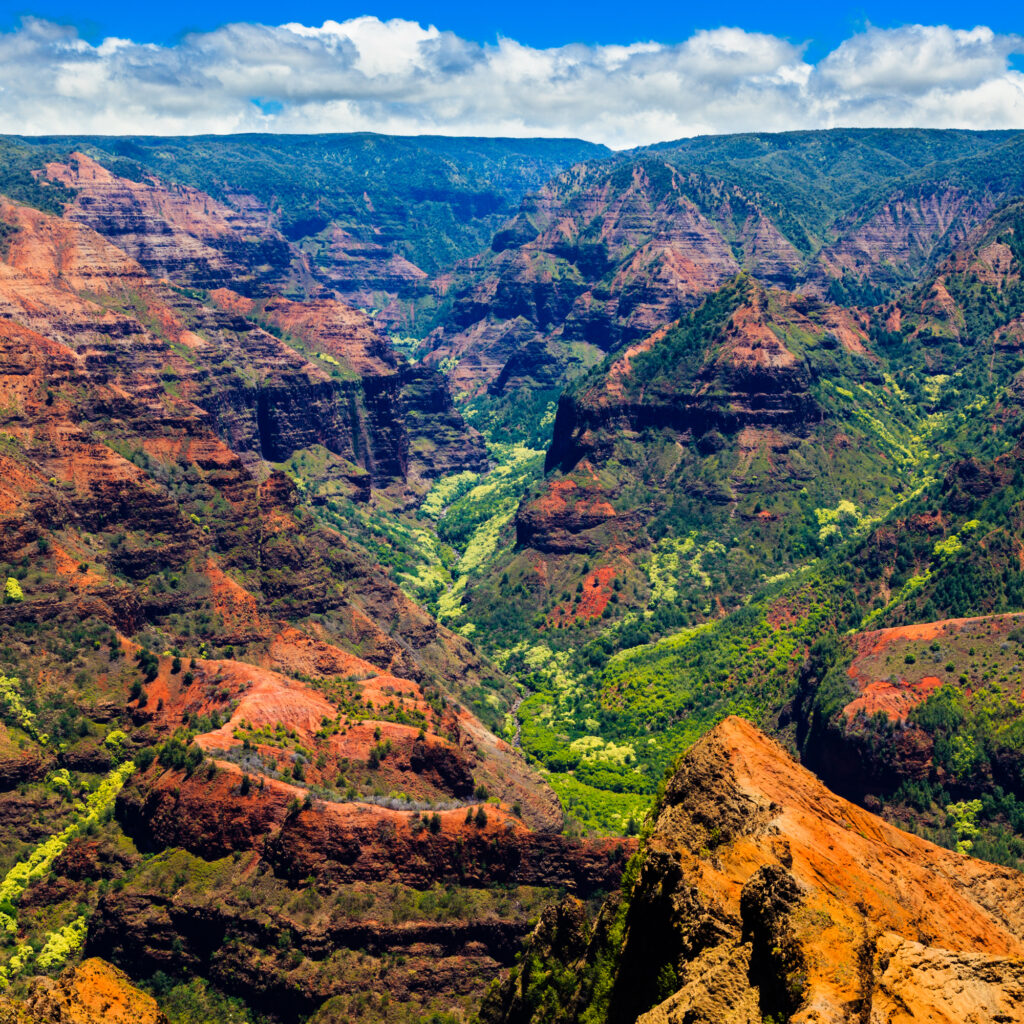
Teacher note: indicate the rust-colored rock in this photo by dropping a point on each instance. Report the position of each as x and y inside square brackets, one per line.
[93, 992]
[176, 231]
[762, 894]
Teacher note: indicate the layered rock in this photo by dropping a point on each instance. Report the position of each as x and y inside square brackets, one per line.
[353, 396]
[139, 427]
[609, 252]
[176, 231]
[742, 375]
[736, 382]
[363, 270]
[601, 258]
[760, 893]
[410, 404]
[893, 242]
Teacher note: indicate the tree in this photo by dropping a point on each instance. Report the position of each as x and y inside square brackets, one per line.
[12, 590]
[481, 818]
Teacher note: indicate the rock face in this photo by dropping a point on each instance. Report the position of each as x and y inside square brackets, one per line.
[371, 411]
[363, 270]
[363, 842]
[610, 251]
[176, 231]
[395, 420]
[598, 259]
[899, 239]
[722, 411]
[92, 992]
[742, 375]
[761, 894]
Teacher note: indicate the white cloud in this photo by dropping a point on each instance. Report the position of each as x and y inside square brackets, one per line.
[399, 76]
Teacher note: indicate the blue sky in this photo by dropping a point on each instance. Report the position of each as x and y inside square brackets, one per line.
[624, 74]
[542, 24]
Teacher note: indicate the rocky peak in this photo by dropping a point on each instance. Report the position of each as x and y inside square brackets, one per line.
[759, 893]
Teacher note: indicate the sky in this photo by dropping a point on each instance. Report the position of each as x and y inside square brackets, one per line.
[622, 74]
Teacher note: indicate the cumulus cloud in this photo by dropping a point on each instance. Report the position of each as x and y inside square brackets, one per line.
[400, 77]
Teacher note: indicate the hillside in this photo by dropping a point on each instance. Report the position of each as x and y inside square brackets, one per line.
[335, 662]
[370, 216]
[758, 478]
[611, 250]
[760, 895]
[194, 667]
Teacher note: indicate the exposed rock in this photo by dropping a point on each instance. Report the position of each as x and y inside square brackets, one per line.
[93, 992]
[763, 894]
[902, 236]
[921, 983]
[176, 231]
[348, 842]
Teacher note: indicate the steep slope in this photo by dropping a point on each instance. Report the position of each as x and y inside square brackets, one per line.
[176, 231]
[92, 992]
[610, 251]
[747, 437]
[173, 613]
[248, 548]
[729, 496]
[961, 327]
[353, 396]
[369, 216]
[758, 893]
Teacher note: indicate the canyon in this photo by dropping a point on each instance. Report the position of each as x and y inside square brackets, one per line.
[578, 586]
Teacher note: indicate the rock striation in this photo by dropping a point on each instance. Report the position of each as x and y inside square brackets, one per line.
[761, 895]
[176, 231]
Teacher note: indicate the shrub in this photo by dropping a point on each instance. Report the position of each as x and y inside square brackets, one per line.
[116, 742]
[61, 944]
[13, 591]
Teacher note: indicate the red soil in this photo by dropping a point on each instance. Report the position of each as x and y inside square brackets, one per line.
[238, 607]
[597, 592]
[897, 699]
[232, 302]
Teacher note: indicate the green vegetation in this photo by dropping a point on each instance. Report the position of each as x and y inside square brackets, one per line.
[15, 711]
[61, 943]
[430, 199]
[18, 160]
[196, 1001]
[719, 553]
[809, 179]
